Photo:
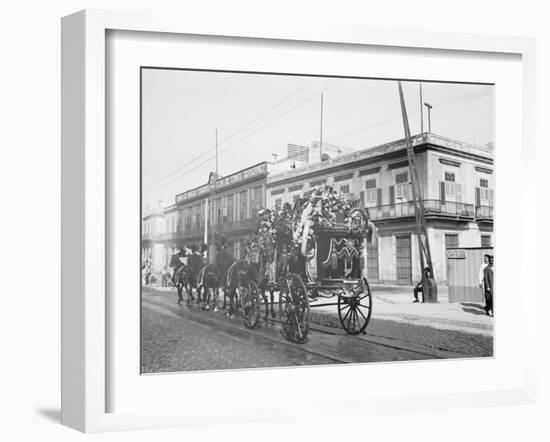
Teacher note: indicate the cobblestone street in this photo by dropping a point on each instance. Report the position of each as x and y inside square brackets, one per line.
[182, 338]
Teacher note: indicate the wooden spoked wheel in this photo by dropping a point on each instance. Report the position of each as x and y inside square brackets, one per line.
[294, 309]
[355, 311]
[250, 303]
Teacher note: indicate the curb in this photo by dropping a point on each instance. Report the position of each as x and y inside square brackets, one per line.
[329, 319]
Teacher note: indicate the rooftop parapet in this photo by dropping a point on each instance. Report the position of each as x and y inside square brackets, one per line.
[372, 152]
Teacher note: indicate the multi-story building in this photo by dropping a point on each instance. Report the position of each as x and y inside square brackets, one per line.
[153, 229]
[223, 207]
[457, 187]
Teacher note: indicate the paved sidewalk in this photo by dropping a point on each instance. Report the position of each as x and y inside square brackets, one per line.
[395, 303]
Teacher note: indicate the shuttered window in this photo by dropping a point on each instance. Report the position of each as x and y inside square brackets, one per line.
[485, 240]
[243, 205]
[451, 240]
[371, 198]
[402, 177]
[402, 186]
[229, 208]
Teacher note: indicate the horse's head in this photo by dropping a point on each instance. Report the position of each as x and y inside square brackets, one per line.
[174, 261]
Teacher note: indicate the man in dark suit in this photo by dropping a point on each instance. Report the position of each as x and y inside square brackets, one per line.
[224, 259]
[489, 287]
[195, 263]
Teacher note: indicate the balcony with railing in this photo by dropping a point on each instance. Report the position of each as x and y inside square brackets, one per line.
[236, 225]
[484, 213]
[432, 209]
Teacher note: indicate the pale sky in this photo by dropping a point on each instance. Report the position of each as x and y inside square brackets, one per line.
[257, 115]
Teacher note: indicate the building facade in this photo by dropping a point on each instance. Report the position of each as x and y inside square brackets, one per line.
[224, 207]
[456, 180]
[457, 187]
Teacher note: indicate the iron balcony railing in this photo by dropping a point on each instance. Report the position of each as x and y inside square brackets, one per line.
[248, 223]
[431, 208]
[484, 212]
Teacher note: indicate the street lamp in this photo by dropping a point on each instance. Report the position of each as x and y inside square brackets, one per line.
[429, 106]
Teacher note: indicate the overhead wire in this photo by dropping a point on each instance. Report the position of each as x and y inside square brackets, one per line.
[247, 125]
[248, 135]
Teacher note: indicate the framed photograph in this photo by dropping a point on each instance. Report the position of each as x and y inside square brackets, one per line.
[291, 221]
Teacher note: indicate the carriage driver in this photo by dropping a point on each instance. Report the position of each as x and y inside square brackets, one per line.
[223, 260]
[182, 256]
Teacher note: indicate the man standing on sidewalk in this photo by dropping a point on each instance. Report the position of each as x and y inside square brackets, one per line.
[419, 287]
[481, 275]
[489, 289]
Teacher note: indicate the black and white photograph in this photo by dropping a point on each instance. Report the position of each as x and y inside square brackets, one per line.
[234, 221]
[296, 220]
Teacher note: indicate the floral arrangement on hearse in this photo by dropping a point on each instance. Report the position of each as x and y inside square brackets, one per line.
[299, 225]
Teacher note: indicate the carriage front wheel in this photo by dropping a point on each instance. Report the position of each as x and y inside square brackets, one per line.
[294, 308]
[354, 311]
[250, 303]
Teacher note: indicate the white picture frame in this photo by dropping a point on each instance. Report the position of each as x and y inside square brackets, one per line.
[85, 210]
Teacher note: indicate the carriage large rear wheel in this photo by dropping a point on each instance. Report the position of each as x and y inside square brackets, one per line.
[294, 308]
[355, 311]
[250, 303]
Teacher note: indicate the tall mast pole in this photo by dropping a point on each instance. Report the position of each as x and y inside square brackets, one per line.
[421, 232]
[321, 133]
[421, 110]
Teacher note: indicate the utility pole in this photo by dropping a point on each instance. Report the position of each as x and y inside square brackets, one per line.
[421, 110]
[214, 209]
[429, 106]
[321, 133]
[429, 288]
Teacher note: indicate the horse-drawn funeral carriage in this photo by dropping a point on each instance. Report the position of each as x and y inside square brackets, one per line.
[308, 255]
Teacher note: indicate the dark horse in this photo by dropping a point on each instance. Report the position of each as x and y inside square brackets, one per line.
[207, 281]
[181, 276]
[237, 275]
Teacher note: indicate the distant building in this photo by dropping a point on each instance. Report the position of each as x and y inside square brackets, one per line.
[224, 207]
[152, 229]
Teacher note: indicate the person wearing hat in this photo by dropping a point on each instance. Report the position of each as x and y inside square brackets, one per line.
[224, 259]
[182, 258]
[488, 286]
[419, 287]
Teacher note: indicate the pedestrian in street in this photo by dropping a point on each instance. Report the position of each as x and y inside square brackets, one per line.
[147, 274]
[489, 287]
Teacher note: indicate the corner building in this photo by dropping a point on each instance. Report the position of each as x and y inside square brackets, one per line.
[457, 187]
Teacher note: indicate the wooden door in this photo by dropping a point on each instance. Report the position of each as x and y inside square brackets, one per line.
[372, 263]
[403, 255]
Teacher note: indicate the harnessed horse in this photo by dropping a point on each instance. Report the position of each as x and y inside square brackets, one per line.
[237, 275]
[208, 280]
